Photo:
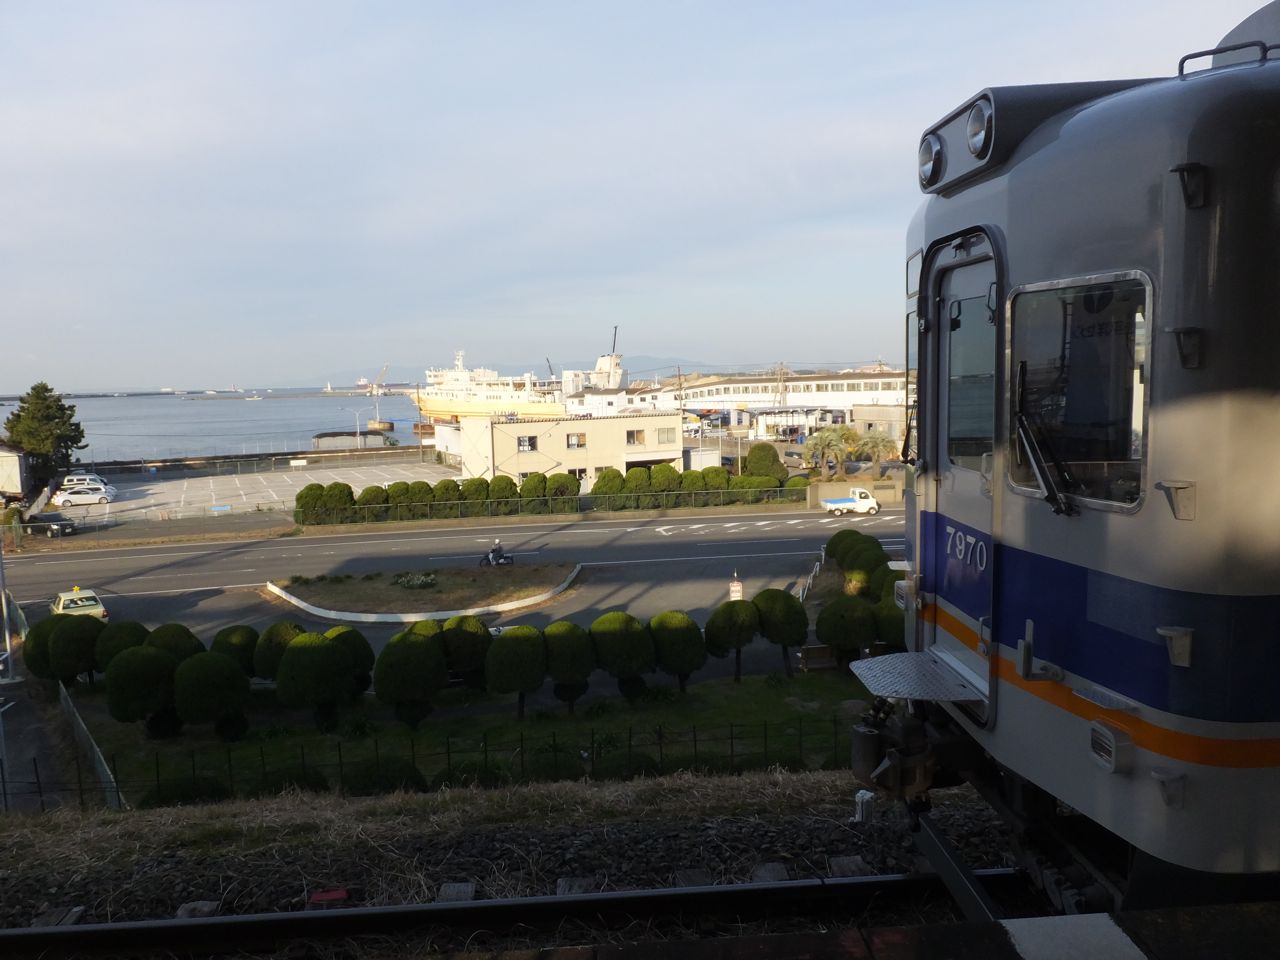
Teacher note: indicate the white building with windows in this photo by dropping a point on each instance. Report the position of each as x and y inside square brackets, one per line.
[578, 445]
[787, 404]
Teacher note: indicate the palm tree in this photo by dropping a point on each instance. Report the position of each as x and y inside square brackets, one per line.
[833, 443]
[877, 446]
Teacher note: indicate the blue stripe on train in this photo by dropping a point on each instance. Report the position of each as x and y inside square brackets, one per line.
[1103, 627]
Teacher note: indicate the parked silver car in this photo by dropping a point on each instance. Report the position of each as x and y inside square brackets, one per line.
[87, 493]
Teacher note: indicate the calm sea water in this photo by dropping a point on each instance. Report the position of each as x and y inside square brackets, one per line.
[135, 427]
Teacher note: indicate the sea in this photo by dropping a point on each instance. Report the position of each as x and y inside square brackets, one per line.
[166, 425]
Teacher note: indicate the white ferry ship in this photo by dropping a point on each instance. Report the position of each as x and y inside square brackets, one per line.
[454, 392]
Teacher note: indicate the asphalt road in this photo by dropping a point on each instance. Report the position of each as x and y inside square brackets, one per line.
[643, 566]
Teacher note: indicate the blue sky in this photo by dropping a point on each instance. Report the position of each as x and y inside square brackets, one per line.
[201, 194]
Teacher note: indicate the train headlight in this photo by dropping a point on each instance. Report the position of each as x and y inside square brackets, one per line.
[978, 129]
[930, 160]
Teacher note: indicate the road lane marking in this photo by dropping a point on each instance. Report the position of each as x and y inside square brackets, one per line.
[723, 556]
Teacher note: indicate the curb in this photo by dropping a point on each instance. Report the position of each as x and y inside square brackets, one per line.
[429, 615]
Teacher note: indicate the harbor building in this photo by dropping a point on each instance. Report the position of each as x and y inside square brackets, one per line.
[581, 446]
[782, 404]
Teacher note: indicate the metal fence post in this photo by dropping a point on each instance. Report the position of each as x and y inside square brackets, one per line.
[555, 757]
[302, 752]
[800, 738]
[448, 757]
[35, 765]
[835, 742]
[521, 754]
[79, 782]
[695, 745]
[156, 757]
[193, 769]
[628, 750]
[342, 784]
[231, 777]
[766, 743]
[377, 757]
[484, 747]
[731, 751]
[115, 774]
[661, 757]
[4, 786]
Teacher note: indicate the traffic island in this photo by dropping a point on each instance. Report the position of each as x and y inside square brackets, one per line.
[409, 596]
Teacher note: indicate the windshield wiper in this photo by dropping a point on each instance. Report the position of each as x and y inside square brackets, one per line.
[1047, 479]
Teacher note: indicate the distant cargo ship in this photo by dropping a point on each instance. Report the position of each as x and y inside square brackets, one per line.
[454, 392]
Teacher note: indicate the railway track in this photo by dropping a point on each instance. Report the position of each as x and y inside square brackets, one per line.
[686, 908]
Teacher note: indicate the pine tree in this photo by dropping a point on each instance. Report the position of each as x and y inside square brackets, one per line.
[44, 426]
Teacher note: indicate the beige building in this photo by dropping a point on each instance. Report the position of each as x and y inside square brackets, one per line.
[580, 446]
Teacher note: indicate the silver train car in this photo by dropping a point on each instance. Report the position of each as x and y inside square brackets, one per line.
[1093, 570]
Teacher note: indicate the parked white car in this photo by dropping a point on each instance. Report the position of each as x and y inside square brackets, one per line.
[88, 493]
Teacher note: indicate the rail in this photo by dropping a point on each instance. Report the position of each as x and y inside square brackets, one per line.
[255, 931]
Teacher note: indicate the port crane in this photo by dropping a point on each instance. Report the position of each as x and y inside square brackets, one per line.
[375, 388]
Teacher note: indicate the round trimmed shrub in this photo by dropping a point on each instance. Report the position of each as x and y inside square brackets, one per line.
[71, 647]
[678, 645]
[731, 626]
[361, 654]
[369, 778]
[408, 672]
[308, 504]
[208, 686]
[692, 486]
[504, 495]
[338, 503]
[371, 505]
[315, 671]
[795, 488]
[623, 644]
[140, 683]
[184, 791]
[533, 493]
[421, 496]
[176, 639]
[271, 647]
[238, 643]
[891, 623]
[444, 499]
[848, 626]
[571, 656]
[474, 492]
[782, 620]
[398, 501]
[35, 648]
[665, 480]
[516, 663]
[608, 484]
[426, 628]
[466, 644]
[116, 637]
[562, 493]
[637, 490]
[300, 778]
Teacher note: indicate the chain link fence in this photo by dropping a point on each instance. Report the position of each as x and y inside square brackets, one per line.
[372, 765]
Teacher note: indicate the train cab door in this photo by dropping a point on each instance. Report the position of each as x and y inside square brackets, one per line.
[959, 347]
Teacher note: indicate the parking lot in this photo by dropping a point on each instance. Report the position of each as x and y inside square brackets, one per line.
[162, 498]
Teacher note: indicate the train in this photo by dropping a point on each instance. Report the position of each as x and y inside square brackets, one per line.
[1092, 578]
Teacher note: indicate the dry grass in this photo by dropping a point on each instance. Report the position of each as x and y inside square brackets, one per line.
[457, 588]
[68, 842]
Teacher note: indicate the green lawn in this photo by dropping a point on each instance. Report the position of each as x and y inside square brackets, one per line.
[718, 726]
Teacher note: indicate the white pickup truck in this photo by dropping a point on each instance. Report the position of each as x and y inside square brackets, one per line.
[858, 501]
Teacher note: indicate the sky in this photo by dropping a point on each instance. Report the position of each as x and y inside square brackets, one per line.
[206, 194]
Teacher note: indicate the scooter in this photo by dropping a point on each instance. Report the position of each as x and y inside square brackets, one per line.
[497, 558]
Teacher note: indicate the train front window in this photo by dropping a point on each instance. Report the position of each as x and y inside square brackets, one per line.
[1078, 382]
